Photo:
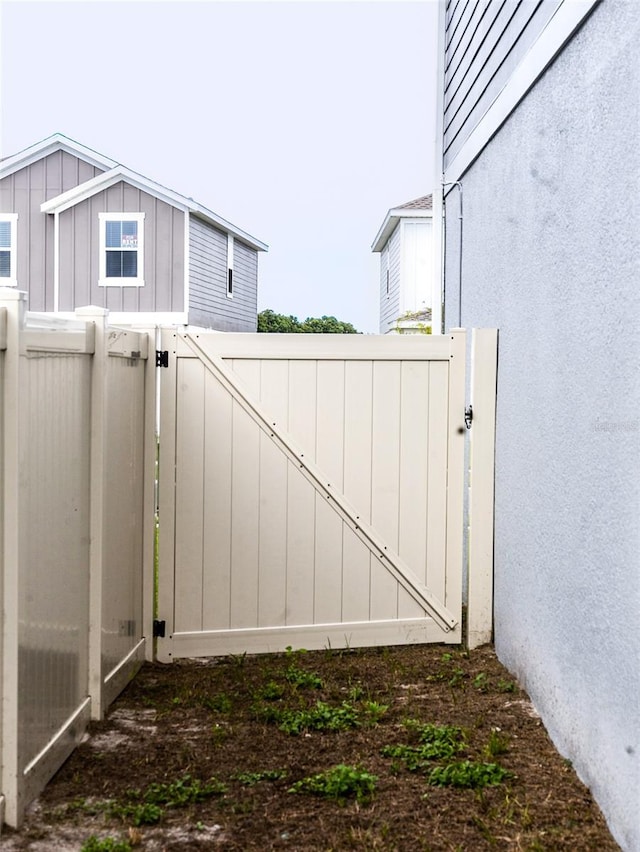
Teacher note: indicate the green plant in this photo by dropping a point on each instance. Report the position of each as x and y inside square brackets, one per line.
[498, 744]
[105, 844]
[481, 682]
[143, 813]
[251, 778]
[457, 677]
[436, 742]
[506, 686]
[340, 782]
[271, 691]
[300, 678]
[466, 773]
[322, 717]
[220, 703]
[374, 711]
[184, 791]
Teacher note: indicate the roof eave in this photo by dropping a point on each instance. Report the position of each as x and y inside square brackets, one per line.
[56, 142]
[391, 222]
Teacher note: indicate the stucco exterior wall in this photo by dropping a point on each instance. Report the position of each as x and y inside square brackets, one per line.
[552, 258]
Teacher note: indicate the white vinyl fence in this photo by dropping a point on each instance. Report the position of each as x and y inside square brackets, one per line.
[76, 529]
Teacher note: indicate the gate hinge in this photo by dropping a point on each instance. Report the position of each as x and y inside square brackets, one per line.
[468, 417]
[159, 628]
[162, 358]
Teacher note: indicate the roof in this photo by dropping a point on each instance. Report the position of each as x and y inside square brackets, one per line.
[114, 173]
[417, 209]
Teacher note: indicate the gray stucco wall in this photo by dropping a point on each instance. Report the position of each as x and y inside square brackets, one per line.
[552, 258]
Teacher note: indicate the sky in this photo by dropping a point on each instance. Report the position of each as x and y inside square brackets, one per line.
[300, 121]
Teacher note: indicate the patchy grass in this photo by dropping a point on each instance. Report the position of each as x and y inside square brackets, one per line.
[414, 748]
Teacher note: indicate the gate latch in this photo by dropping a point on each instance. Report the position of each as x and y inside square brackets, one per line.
[468, 417]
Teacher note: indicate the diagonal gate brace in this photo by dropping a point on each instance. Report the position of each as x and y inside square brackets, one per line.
[338, 502]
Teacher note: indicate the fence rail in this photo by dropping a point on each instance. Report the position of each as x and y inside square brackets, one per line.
[76, 531]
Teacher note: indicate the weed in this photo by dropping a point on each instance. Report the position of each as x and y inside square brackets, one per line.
[219, 734]
[498, 744]
[251, 778]
[220, 703]
[303, 679]
[322, 717]
[105, 844]
[436, 742]
[457, 678]
[468, 774]
[446, 658]
[356, 692]
[481, 682]
[138, 814]
[238, 660]
[185, 791]
[374, 711]
[506, 686]
[340, 783]
[271, 691]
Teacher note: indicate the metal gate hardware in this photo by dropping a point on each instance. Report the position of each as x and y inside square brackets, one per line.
[162, 358]
[468, 417]
[159, 628]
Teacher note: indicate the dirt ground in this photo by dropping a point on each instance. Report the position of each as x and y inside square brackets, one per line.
[213, 755]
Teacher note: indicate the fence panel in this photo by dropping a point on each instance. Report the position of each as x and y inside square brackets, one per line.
[72, 496]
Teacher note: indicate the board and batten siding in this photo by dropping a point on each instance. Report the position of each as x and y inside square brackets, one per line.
[209, 305]
[163, 253]
[23, 192]
[390, 302]
[484, 42]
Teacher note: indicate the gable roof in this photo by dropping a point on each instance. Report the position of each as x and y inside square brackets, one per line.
[114, 173]
[417, 209]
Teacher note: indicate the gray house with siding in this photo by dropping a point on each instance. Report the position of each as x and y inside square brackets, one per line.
[77, 228]
[404, 242]
[540, 108]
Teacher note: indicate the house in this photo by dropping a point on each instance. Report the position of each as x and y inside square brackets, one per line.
[540, 161]
[404, 242]
[77, 228]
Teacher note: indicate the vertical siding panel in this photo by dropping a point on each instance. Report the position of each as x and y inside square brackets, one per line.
[122, 583]
[53, 627]
[274, 397]
[385, 480]
[414, 413]
[437, 477]
[217, 506]
[301, 495]
[189, 494]
[358, 414]
[330, 460]
[245, 520]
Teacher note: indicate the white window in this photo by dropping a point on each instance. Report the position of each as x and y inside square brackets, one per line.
[229, 266]
[8, 227]
[121, 249]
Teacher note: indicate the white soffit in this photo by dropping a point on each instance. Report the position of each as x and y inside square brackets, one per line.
[559, 29]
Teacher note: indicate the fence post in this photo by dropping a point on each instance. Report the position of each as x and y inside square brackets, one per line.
[484, 351]
[15, 302]
[455, 473]
[99, 317]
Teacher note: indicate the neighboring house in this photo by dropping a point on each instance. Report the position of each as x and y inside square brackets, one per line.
[77, 228]
[540, 155]
[404, 242]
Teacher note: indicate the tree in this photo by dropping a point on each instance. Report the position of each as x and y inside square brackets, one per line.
[272, 323]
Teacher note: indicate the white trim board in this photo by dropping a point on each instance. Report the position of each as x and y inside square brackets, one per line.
[568, 17]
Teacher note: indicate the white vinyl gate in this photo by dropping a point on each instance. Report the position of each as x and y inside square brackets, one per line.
[311, 491]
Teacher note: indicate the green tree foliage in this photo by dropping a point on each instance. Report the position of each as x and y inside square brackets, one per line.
[272, 323]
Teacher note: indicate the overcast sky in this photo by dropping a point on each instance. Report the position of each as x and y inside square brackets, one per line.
[301, 122]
